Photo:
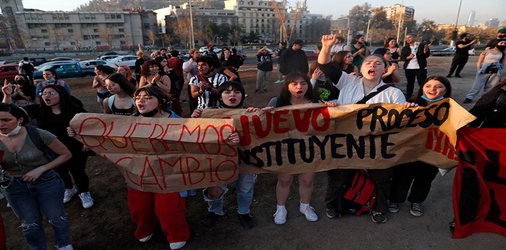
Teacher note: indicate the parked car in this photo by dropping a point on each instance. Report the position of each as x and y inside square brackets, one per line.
[36, 61]
[107, 58]
[8, 71]
[128, 60]
[90, 64]
[66, 59]
[442, 51]
[65, 70]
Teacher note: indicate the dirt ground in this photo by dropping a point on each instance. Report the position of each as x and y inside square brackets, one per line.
[108, 226]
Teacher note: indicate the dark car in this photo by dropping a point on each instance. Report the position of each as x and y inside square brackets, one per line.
[36, 61]
[8, 71]
[65, 70]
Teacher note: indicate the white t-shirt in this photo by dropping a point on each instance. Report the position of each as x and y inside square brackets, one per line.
[339, 47]
[352, 90]
[204, 99]
[413, 64]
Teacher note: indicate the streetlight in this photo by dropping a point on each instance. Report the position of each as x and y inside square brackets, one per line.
[455, 31]
[192, 38]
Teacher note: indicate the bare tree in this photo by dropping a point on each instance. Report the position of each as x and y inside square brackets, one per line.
[106, 34]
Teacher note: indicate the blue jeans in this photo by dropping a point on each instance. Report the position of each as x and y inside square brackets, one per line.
[28, 198]
[245, 186]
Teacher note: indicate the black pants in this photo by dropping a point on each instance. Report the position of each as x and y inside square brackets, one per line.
[417, 175]
[382, 178]
[411, 74]
[77, 168]
[458, 63]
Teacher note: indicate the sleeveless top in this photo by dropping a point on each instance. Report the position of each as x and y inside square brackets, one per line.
[117, 111]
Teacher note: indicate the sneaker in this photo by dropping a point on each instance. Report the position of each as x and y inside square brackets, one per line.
[211, 219]
[308, 211]
[246, 221]
[332, 213]
[86, 199]
[467, 100]
[448, 76]
[394, 207]
[280, 216]
[458, 76]
[146, 239]
[69, 193]
[177, 245]
[378, 217]
[416, 209]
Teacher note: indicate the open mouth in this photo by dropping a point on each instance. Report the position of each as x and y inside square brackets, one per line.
[371, 72]
[299, 92]
[232, 100]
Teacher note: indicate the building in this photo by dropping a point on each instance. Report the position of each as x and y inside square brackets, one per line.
[36, 29]
[471, 21]
[492, 23]
[393, 12]
[256, 17]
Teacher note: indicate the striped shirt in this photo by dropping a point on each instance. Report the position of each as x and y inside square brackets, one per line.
[206, 99]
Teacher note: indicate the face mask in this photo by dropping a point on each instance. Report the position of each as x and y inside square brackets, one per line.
[13, 132]
[150, 113]
[50, 80]
[152, 72]
[435, 100]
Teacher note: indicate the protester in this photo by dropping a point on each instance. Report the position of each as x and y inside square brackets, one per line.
[345, 60]
[279, 53]
[24, 91]
[418, 175]
[176, 64]
[230, 60]
[138, 64]
[231, 97]
[354, 89]
[294, 59]
[152, 73]
[101, 73]
[323, 88]
[126, 72]
[25, 67]
[30, 183]
[415, 63]
[50, 78]
[392, 45]
[190, 68]
[461, 54]
[501, 35]
[490, 109]
[264, 69]
[359, 50]
[121, 101]
[204, 86]
[490, 67]
[295, 90]
[392, 75]
[340, 45]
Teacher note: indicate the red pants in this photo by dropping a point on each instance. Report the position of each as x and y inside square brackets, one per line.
[146, 207]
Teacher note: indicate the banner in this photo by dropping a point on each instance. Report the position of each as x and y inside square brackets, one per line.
[312, 137]
[479, 187]
[164, 155]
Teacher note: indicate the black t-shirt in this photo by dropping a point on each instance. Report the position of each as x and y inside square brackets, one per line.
[462, 51]
[264, 62]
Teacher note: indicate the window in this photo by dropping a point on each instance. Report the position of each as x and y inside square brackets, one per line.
[70, 30]
[95, 30]
[43, 30]
[97, 43]
[121, 30]
[86, 37]
[122, 42]
[47, 44]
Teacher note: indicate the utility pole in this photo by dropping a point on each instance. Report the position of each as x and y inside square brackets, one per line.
[455, 31]
[192, 37]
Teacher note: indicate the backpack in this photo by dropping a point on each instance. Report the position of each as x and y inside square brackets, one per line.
[34, 135]
[356, 196]
[27, 68]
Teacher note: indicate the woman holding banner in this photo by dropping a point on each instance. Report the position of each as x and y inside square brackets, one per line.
[297, 89]
[231, 95]
[418, 175]
[368, 89]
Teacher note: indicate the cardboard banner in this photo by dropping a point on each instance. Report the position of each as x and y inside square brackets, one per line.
[479, 188]
[162, 154]
[165, 155]
[313, 137]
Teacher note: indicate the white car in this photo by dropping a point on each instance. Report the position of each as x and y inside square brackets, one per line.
[107, 58]
[90, 64]
[128, 60]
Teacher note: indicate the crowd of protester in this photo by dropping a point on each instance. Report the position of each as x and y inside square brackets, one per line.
[46, 167]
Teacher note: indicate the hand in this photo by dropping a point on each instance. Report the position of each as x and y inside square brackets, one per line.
[410, 105]
[316, 74]
[71, 132]
[252, 110]
[328, 40]
[361, 50]
[233, 138]
[7, 88]
[330, 104]
[197, 113]
[33, 175]
[155, 79]
[391, 68]
[267, 109]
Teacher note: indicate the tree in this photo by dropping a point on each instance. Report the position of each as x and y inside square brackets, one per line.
[359, 17]
[151, 37]
[379, 20]
[427, 31]
[210, 31]
[107, 35]
[235, 34]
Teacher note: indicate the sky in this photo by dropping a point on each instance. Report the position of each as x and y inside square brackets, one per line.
[441, 11]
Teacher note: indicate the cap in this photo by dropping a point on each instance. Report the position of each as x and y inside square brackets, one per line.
[502, 30]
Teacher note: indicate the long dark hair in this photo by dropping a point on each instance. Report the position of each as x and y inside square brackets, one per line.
[339, 58]
[285, 94]
[231, 85]
[387, 42]
[145, 67]
[66, 105]
[123, 83]
[440, 79]
[155, 92]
